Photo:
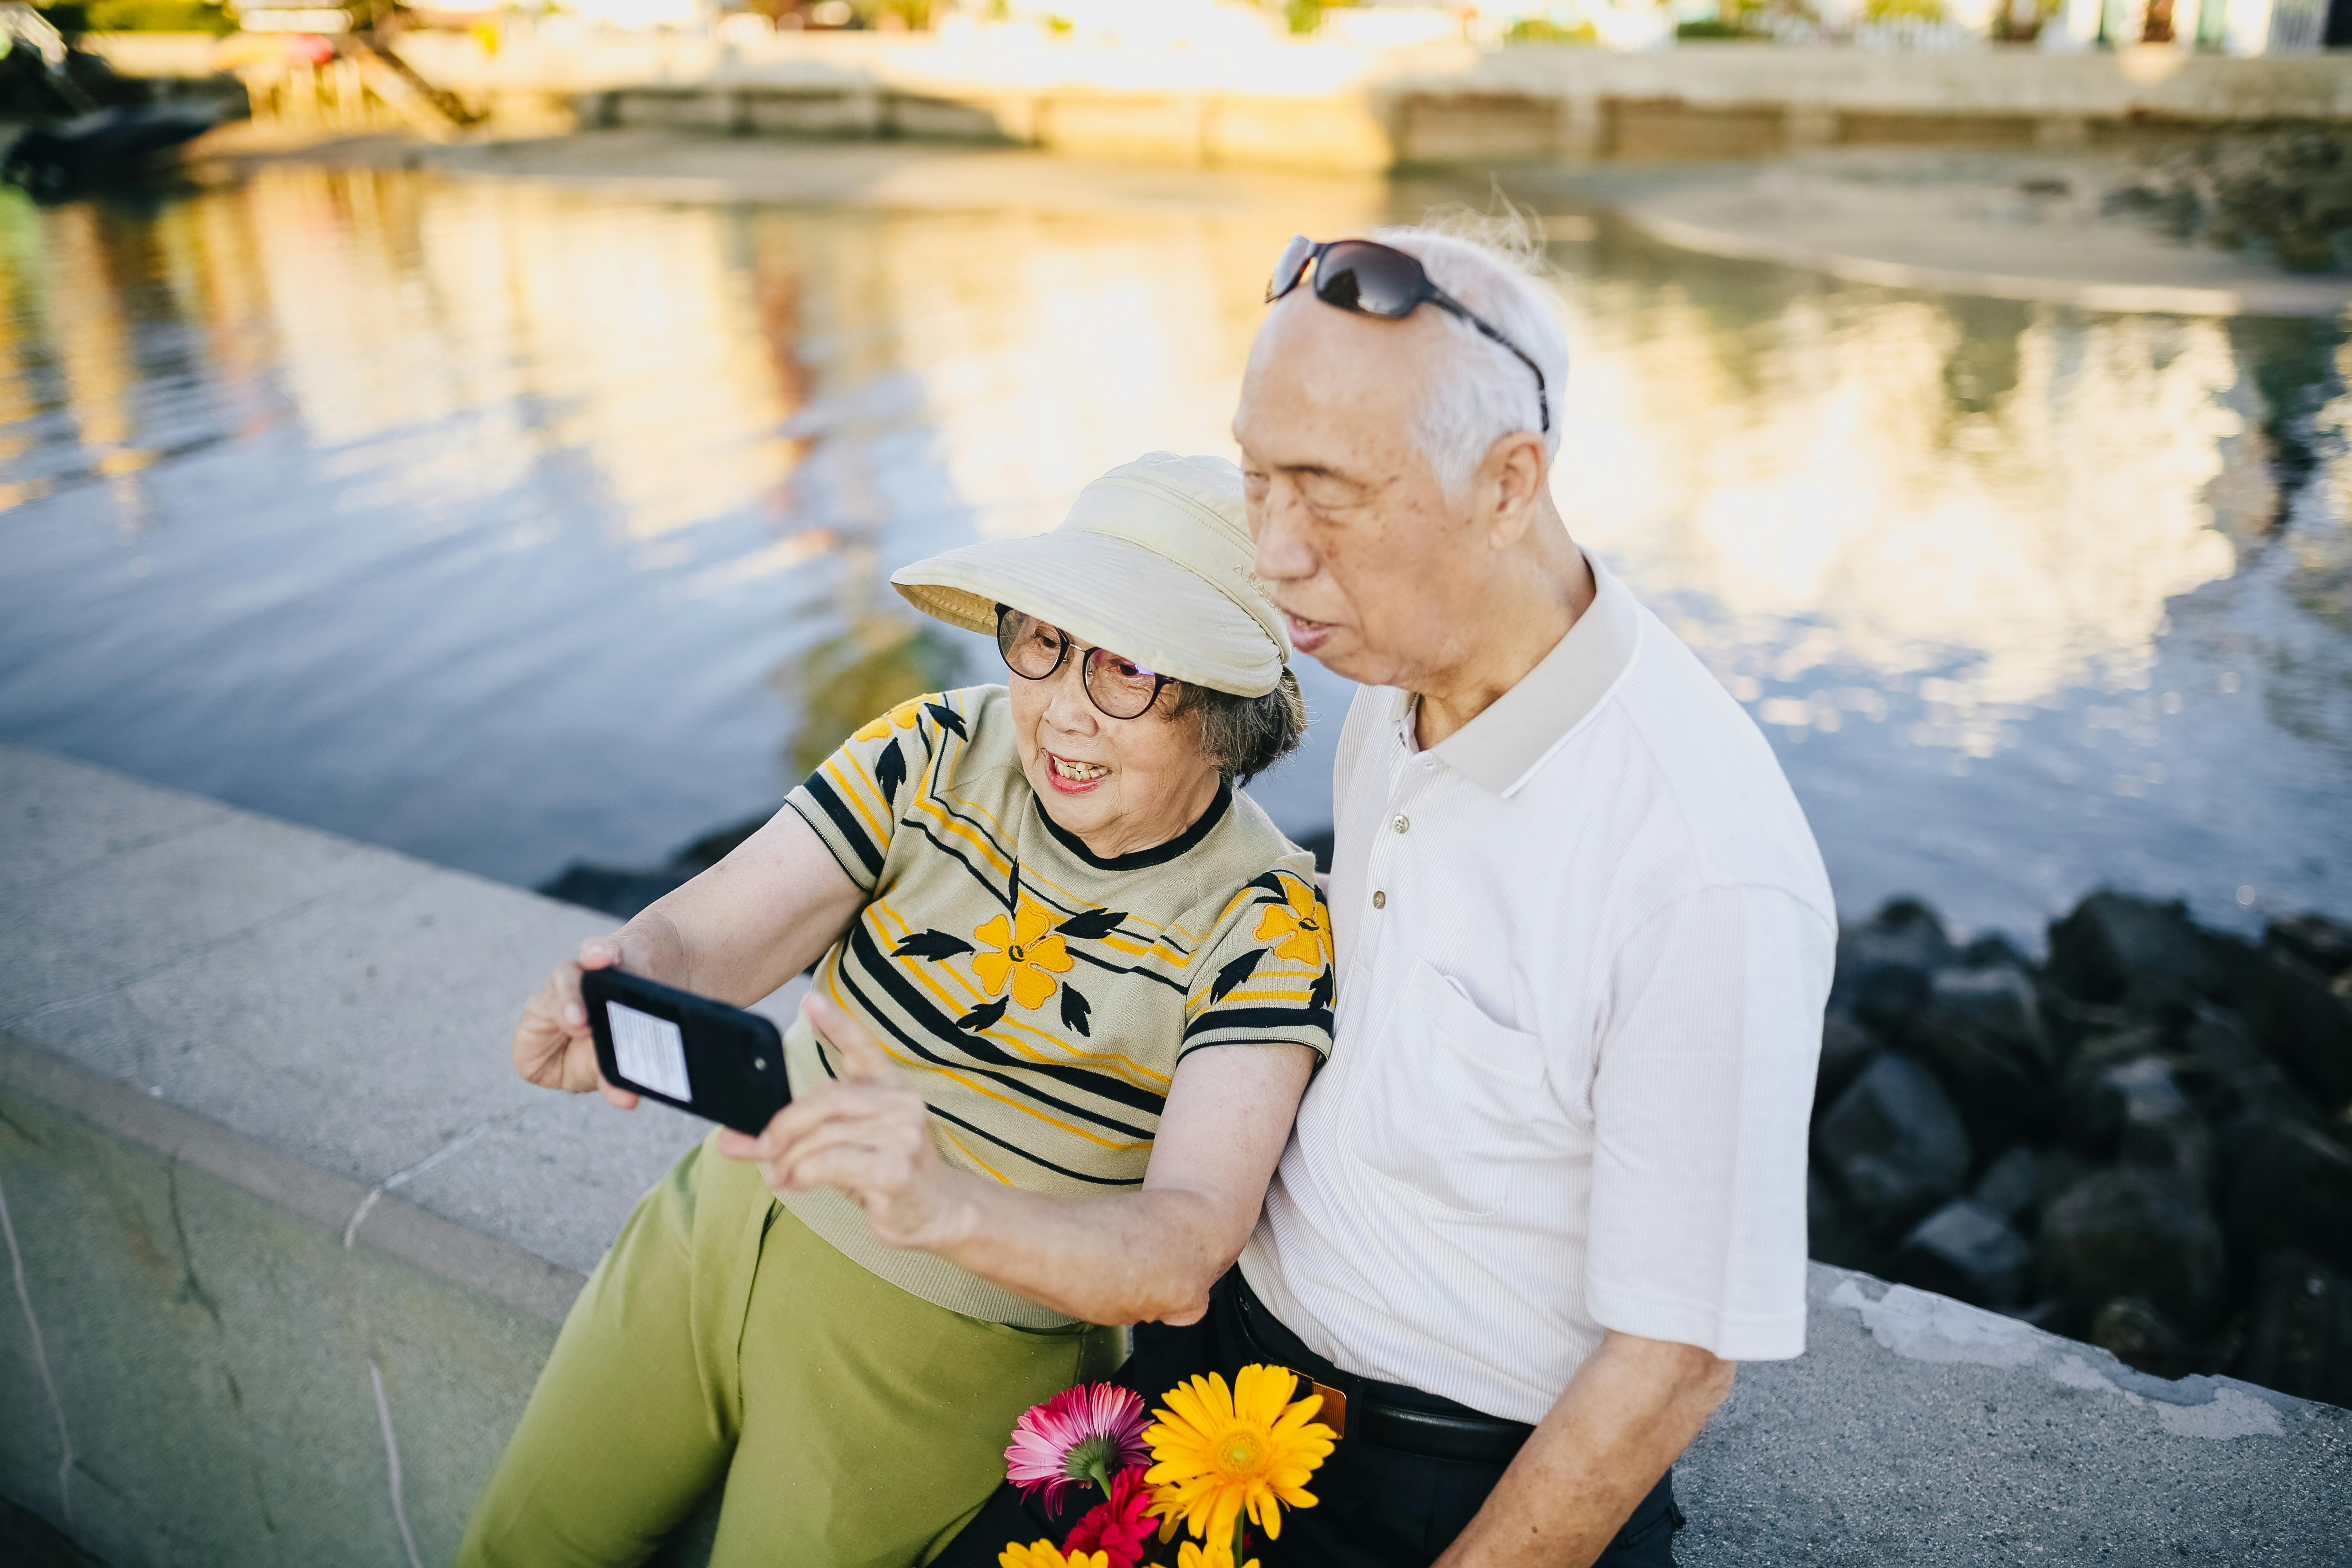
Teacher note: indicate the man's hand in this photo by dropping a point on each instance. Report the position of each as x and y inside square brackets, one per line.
[553, 1046]
[869, 1134]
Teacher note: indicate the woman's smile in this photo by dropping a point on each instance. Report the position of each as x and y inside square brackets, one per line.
[1071, 777]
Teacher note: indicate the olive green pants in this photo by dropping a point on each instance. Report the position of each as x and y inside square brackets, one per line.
[852, 1424]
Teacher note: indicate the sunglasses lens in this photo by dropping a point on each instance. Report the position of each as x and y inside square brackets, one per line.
[1371, 279]
[1030, 647]
[1121, 686]
[1295, 257]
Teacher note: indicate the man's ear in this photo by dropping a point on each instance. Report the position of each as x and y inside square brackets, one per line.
[1510, 484]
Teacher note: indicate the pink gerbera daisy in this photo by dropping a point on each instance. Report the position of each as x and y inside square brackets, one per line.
[1117, 1528]
[1089, 1433]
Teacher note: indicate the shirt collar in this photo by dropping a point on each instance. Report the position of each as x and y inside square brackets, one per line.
[1498, 748]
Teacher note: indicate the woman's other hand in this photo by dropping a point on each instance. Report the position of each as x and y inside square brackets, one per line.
[553, 1046]
[868, 1133]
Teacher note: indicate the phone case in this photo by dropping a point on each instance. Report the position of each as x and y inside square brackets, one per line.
[720, 1062]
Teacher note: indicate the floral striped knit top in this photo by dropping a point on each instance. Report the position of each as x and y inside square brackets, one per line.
[1040, 996]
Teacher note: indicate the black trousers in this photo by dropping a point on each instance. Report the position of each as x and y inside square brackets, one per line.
[1376, 1508]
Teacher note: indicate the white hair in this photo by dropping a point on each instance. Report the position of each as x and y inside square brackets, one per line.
[1490, 263]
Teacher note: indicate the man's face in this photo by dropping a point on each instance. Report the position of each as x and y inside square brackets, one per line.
[1375, 568]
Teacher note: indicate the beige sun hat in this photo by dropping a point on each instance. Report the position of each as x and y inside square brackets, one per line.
[1153, 562]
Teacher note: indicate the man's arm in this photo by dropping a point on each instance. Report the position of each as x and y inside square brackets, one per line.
[1631, 1409]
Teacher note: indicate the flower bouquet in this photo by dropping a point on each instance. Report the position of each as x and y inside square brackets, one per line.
[1215, 1462]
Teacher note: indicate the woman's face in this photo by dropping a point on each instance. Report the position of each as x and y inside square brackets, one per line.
[1120, 785]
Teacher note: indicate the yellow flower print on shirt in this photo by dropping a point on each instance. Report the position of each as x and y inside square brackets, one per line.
[1027, 949]
[903, 716]
[1304, 925]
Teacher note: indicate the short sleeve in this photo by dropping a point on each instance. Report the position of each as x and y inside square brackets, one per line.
[855, 796]
[1700, 1104]
[1263, 976]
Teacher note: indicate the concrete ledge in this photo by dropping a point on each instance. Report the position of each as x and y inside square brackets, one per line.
[1332, 106]
[292, 1243]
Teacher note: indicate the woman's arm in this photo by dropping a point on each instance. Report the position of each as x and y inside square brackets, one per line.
[1123, 1257]
[736, 932]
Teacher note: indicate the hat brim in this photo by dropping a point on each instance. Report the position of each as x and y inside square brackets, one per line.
[1107, 593]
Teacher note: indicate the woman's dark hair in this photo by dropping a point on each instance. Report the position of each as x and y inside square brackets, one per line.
[1244, 736]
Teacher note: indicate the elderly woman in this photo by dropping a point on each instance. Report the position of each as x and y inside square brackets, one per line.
[1031, 911]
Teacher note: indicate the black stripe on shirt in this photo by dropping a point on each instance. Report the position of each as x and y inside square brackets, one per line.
[982, 1054]
[843, 818]
[1259, 1018]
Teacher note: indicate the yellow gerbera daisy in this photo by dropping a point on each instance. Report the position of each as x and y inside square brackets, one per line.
[1223, 1452]
[1042, 1555]
[1212, 1556]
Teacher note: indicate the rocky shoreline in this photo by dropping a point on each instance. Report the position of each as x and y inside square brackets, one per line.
[2144, 1140]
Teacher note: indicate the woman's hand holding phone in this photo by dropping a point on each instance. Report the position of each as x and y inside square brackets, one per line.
[554, 1046]
[868, 1133]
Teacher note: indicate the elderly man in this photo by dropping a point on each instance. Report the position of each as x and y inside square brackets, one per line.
[1551, 1186]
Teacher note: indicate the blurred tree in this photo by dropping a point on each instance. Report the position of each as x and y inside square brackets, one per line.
[883, 15]
[157, 17]
[846, 680]
[1544, 30]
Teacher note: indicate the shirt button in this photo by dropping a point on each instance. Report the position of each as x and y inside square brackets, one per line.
[1380, 900]
[1401, 823]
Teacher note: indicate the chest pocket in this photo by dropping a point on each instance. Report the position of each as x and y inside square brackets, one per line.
[1448, 1105]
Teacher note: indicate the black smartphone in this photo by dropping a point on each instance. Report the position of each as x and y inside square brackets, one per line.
[720, 1062]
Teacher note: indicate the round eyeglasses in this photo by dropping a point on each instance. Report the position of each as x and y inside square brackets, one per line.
[1034, 650]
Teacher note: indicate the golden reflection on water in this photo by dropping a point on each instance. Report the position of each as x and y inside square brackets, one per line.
[1834, 485]
[1855, 504]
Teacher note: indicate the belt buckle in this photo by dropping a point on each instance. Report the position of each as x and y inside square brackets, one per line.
[1334, 1413]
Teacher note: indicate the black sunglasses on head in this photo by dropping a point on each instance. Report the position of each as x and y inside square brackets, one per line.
[1382, 281]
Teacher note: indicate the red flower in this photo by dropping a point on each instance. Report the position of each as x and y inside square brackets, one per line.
[1120, 1526]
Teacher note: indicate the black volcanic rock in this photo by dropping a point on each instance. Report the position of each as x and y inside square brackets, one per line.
[2008, 1184]
[2299, 1335]
[2303, 1019]
[1967, 1250]
[2130, 1329]
[1846, 1049]
[1980, 1029]
[1883, 965]
[2289, 1186]
[2131, 1232]
[2136, 953]
[1834, 1234]
[1894, 1144]
[2133, 1108]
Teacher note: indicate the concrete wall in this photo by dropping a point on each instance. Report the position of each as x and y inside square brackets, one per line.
[290, 1242]
[1326, 106]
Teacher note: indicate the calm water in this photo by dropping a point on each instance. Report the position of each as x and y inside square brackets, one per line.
[506, 524]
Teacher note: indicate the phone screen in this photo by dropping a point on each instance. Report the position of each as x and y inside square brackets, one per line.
[650, 1051]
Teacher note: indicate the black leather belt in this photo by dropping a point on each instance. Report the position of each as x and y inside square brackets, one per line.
[1374, 1415]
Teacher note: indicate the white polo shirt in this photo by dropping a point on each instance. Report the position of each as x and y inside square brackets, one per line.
[1583, 948]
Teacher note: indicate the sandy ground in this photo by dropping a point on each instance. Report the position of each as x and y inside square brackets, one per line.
[2008, 225]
